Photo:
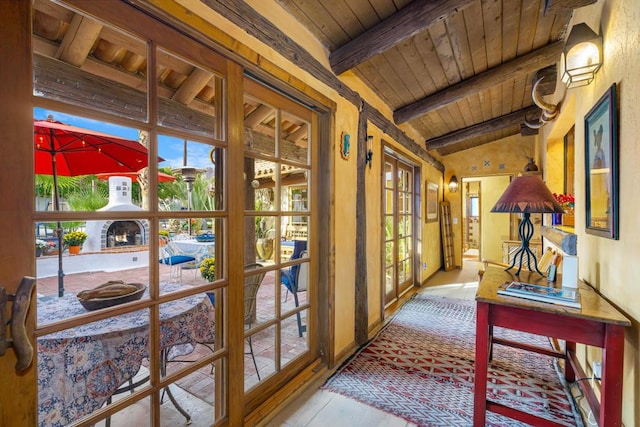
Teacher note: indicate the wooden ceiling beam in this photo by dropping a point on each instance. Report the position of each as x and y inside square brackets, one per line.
[535, 60]
[192, 86]
[78, 40]
[409, 21]
[479, 129]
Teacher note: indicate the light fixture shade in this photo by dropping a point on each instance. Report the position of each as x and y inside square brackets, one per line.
[581, 57]
[527, 194]
[453, 184]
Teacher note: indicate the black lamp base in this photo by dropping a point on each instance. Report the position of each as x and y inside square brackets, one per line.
[525, 233]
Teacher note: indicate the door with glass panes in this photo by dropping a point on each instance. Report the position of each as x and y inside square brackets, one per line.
[398, 227]
[150, 323]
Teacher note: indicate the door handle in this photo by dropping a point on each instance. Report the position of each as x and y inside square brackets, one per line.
[19, 337]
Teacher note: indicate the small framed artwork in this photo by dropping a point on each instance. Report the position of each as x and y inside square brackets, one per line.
[601, 166]
[431, 202]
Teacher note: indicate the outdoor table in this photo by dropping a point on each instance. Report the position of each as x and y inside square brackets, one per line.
[198, 250]
[80, 368]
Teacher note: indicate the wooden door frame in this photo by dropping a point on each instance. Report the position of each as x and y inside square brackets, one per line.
[18, 258]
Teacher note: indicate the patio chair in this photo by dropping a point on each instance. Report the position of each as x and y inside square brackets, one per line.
[288, 277]
[251, 285]
[296, 277]
[171, 256]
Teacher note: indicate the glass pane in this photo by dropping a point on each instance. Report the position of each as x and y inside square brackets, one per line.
[388, 202]
[389, 253]
[190, 258]
[260, 238]
[401, 274]
[194, 180]
[260, 356]
[388, 175]
[389, 280]
[294, 340]
[259, 127]
[295, 197]
[388, 227]
[265, 298]
[295, 227]
[295, 281]
[87, 154]
[116, 82]
[188, 96]
[294, 138]
[80, 368]
[261, 177]
[90, 253]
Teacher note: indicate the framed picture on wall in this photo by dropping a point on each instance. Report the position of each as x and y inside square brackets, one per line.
[601, 166]
[432, 202]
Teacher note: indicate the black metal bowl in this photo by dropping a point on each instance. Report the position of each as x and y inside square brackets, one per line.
[98, 303]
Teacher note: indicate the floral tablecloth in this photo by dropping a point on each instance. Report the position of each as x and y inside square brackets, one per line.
[198, 250]
[79, 368]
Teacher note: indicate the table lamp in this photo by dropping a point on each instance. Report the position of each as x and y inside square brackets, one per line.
[526, 194]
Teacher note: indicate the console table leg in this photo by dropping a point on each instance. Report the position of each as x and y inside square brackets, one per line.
[612, 367]
[482, 360]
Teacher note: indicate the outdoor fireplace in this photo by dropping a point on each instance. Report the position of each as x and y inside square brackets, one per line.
[120, 233]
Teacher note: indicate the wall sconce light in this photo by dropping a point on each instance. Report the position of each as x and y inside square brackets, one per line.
[369, 157]
[453, 184]
[581, 57]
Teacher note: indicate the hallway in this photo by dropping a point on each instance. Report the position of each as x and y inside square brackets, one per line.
[317, 407]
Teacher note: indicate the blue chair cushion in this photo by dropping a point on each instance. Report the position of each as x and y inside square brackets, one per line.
[176, 259]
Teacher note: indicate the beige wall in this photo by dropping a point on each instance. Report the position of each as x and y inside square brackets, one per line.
[485, 160]
[495, 226]
[612, 265]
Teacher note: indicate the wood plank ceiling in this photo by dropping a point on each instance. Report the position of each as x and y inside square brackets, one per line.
[460, 72]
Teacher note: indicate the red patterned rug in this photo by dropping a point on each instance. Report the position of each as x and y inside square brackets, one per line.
[420, 368]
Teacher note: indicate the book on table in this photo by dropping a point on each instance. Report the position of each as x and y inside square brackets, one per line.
[547, 294]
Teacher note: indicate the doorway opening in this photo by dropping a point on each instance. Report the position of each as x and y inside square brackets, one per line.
[471, 219]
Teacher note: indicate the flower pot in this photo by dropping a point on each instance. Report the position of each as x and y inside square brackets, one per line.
[74, 250]
[264, 248]
[556, 219]
[38, 252]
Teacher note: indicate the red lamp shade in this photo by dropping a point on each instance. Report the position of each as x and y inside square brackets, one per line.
[527, 194]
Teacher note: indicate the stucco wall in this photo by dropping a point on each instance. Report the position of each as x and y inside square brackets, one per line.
[612, 265]
[485, 160]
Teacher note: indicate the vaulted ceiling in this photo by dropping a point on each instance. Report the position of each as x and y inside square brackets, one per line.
[460, 72]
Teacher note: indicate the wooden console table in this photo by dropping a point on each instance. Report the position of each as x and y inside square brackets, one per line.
[597, 324]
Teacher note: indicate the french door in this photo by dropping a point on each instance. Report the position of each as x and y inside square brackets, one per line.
[399, 220]
[182, 228]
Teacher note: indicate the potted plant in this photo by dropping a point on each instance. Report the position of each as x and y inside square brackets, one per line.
[41, 246]
[74, 240]
[264, 239]
[208, 269]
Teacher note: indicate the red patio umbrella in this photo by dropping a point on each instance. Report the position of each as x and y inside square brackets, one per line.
[65, 150]
[162, 177]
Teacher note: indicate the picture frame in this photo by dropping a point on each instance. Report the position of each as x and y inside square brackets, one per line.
[431, 207]
[601, 166]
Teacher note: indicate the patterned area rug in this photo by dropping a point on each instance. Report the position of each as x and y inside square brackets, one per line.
[420, 368]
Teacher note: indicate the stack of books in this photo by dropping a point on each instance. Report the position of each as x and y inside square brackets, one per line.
[541, 293]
